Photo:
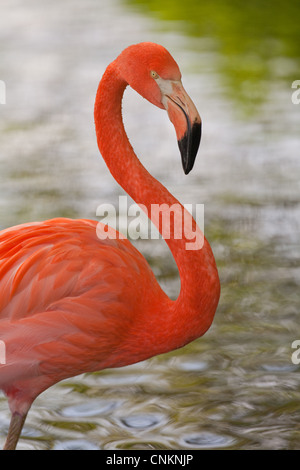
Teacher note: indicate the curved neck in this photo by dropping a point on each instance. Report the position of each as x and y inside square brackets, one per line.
[196, 267]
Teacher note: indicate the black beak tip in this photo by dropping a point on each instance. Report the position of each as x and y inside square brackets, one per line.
[189, 145]
[187, 170]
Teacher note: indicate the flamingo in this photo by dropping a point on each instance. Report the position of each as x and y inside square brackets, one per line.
[72, 301]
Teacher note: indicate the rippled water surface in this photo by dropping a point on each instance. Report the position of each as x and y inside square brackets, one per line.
[237, 387]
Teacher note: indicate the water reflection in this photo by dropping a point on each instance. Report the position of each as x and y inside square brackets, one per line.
[208, 441]
[76, 444]
[140, 421]
[91, 408]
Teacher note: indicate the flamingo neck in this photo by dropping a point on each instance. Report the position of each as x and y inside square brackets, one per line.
[199, 292]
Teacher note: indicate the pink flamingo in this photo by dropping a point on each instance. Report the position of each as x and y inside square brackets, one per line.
[71, 303]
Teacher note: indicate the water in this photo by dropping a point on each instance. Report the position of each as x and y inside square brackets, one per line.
[237, 387]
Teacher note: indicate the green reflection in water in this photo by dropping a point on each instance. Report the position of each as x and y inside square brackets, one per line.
[257, 42]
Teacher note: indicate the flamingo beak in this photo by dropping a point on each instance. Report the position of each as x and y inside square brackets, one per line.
[186, 120]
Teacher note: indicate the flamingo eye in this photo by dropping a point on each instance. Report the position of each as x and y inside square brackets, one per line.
[154, 75]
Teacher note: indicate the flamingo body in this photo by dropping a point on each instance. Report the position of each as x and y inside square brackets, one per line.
[71, 302]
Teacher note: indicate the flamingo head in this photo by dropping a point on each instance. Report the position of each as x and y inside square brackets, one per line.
[151, 71]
